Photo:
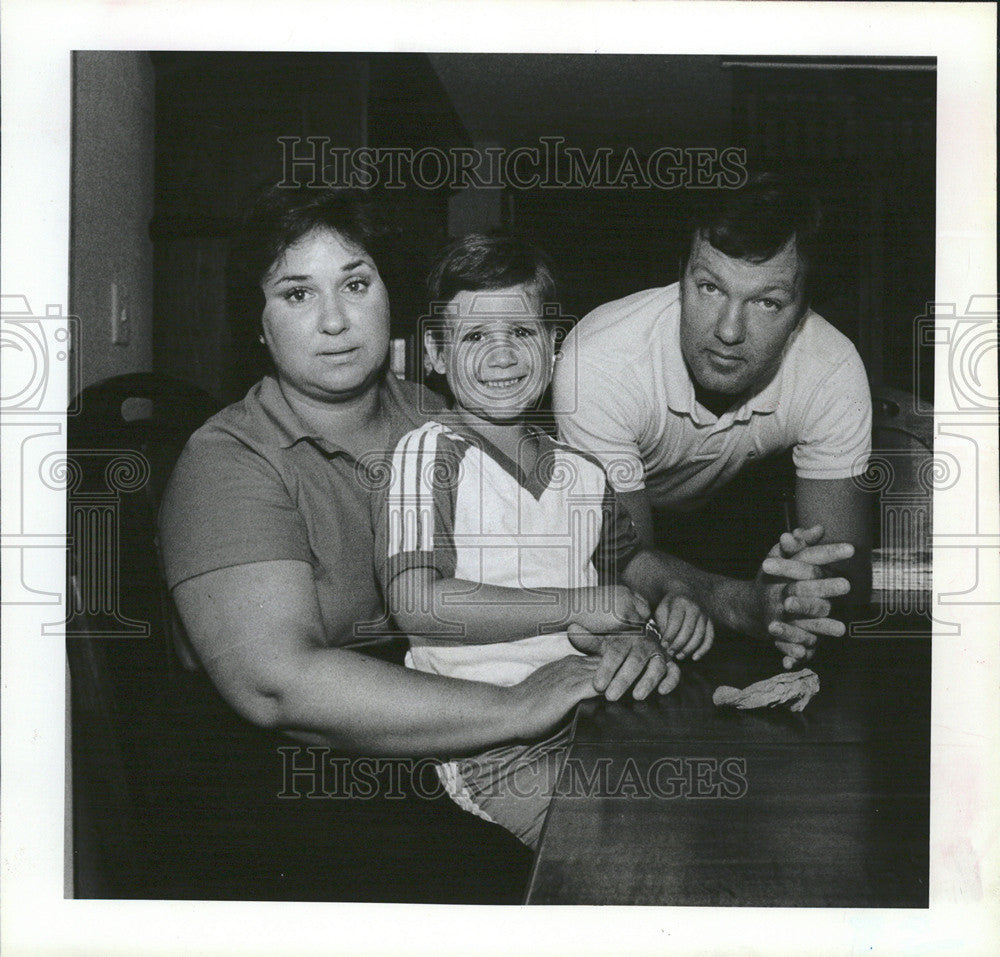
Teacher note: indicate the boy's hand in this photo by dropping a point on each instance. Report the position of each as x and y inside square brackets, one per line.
[628, 660]
[607, 609]
[685, 629]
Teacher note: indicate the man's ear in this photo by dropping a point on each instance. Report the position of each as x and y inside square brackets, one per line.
[435, 351]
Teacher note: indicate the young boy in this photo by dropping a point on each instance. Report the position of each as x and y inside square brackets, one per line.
[506, 550]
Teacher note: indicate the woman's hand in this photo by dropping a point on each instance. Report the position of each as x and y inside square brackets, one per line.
[546, 696]
[606, 609]
[627, 660]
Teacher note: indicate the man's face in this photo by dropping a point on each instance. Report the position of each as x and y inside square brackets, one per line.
[736, 316]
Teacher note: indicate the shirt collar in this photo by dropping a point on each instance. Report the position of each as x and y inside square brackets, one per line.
[537, 480]
[290, 428]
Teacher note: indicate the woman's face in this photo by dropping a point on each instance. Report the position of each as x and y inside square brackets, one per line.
[326, 317]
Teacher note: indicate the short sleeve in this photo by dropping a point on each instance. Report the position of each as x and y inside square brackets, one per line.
[835, 436]
[599, 414]
[413, 510]
[619, 542]
[226, 505]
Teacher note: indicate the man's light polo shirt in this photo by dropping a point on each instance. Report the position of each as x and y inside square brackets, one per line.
[456, 504]
[622, 392]
[254, 484]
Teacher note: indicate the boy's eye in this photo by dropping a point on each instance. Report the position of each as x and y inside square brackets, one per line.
[472, 337]
[523, 332]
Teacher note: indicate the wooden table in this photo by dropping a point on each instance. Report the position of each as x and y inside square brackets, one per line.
[676, 801]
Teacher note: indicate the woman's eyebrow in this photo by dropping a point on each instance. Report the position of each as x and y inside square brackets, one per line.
[280, 279]
[305, 277]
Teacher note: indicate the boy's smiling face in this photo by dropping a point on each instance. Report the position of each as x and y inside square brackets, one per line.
[496, 352]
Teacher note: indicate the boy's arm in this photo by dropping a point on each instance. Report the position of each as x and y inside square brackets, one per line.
[423, 602]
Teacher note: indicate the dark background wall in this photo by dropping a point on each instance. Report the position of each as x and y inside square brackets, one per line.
[861, 132]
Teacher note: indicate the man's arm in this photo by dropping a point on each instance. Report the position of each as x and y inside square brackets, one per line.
[257, 631]
[844, 511]
[641, 512]
[788, 602]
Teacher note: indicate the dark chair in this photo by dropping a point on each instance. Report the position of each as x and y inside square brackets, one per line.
[903, 437]
[901, 476]
[175, 795]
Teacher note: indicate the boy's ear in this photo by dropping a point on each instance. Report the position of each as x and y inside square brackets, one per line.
[435, 351]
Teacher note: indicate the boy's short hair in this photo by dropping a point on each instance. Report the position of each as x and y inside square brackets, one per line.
[494, 260]
[756, 221]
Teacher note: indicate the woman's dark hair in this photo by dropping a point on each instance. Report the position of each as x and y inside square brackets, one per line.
[495, 260]
[279, 217]
[755, 221]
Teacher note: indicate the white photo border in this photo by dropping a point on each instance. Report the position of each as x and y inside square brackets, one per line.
[38, 37]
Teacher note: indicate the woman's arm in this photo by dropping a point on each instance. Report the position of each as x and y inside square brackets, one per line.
[257, 631]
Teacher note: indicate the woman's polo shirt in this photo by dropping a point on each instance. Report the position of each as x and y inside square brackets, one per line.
[254, 484]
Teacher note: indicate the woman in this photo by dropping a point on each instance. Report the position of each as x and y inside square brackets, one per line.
[265, 528]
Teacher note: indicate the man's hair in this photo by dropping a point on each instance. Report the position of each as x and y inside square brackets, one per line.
[756, 221]
[494, 260]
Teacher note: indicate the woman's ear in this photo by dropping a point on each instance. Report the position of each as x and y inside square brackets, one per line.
[436, 351]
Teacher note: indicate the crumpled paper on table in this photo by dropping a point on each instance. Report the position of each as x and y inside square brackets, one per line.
[797, 687]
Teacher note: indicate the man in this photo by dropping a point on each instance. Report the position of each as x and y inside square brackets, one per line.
[682, 391]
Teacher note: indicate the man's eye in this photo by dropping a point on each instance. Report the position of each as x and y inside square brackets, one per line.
[523, 332]
[472, 337]
[771, 305]
[708, 287]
